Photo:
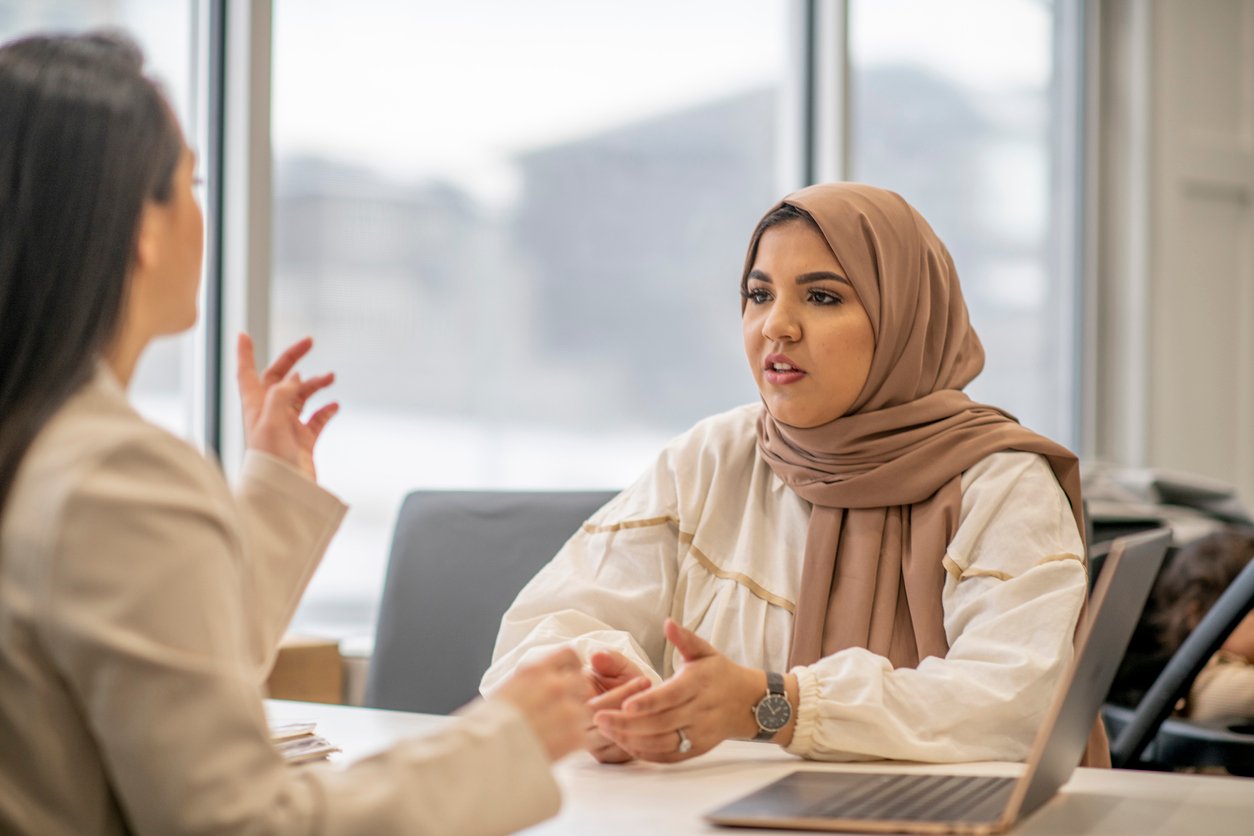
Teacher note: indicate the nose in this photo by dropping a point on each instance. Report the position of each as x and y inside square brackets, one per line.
[781, 324]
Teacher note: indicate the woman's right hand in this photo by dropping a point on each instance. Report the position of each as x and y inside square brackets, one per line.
[552, 695]
[273, 402]
[613, 678]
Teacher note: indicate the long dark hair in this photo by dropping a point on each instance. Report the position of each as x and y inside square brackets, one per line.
[1197, 575]
[85, 140]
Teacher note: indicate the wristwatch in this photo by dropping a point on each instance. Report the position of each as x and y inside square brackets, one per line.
[772, 711]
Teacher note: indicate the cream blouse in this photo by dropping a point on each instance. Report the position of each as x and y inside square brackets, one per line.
[141, 602]
[712, 538]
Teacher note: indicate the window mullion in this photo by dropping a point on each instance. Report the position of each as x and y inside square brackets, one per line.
[245, 213]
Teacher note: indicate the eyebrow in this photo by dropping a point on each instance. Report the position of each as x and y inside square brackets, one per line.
[805, 278]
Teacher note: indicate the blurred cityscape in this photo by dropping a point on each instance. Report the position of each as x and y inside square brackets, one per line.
[597, 313]
[605, 295]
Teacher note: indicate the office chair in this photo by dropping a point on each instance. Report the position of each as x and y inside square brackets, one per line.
[1147, 738]
[458, 560]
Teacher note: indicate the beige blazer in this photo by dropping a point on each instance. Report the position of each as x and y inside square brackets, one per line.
[141, 603]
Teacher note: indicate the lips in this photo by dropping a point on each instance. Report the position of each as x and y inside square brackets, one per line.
[781, 363]
[780, 370]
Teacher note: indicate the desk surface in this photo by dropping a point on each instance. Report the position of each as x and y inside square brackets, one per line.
[647, 798]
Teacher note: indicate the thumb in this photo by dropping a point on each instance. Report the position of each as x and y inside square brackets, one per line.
[689, 644]
[608, 663]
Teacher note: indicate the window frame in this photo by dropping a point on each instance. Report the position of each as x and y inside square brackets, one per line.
[238, 40]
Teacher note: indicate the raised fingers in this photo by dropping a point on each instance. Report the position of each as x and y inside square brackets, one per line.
[286, 392]
[246, 362]
[319, 420]
[246, 370]
[284, 363]
[314, 384]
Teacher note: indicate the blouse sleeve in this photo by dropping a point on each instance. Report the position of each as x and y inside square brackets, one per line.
[1013, 593]
[609, 588]
[147, 627]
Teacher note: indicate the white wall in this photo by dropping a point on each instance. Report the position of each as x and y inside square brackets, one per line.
[1175, 336]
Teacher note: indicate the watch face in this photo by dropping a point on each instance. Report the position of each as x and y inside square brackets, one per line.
[773, 712]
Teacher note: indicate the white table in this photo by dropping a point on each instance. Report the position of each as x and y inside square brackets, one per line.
[652, 799]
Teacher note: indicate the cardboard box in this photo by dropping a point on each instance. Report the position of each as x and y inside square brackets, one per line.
[307, 669]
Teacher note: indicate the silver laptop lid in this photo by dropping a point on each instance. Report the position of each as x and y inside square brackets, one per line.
[1113, 612]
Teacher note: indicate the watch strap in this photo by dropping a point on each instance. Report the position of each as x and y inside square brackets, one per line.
[764, 735]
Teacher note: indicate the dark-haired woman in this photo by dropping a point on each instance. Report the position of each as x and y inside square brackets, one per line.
[866, 564]
[1187, 589]
[140, 599]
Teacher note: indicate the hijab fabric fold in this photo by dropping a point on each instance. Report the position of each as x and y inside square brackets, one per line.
[885, 479]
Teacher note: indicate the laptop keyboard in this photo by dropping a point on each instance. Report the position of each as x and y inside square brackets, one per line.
[901, 797]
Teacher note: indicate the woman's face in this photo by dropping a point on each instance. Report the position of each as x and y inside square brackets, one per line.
[172, 243]
[808, 339]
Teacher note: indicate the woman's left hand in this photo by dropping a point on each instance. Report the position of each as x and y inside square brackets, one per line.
[273, 403]
[711, 699]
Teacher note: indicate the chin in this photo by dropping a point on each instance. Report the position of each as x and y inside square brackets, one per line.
[793, 417]
[178, 325]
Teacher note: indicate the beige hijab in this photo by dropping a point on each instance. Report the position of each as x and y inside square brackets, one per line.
[884, 479]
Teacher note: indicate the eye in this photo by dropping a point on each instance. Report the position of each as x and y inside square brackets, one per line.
[824, 297]
[756, 295]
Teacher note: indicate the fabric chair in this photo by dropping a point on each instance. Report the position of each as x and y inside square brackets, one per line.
[1147, 738]
[459, 558]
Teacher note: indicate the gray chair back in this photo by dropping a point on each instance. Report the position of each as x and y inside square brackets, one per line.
[458, 560]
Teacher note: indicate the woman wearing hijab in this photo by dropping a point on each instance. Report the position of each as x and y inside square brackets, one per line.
[140, 600]
[867, 564]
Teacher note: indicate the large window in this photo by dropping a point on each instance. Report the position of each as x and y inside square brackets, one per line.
[962, 108]
[163, 385]
[515, 229]
[516, 232]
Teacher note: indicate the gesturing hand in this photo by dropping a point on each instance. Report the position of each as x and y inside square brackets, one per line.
[710, 699]
[614, 678]
[552, 696]
[273, 402]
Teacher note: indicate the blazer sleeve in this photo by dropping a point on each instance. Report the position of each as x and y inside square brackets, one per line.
[147, 625]
[286, 523]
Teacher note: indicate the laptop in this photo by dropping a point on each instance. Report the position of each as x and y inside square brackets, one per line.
[879, 802]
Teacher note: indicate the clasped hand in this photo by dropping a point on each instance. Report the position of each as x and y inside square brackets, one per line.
[710, 698]
[273, 403]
